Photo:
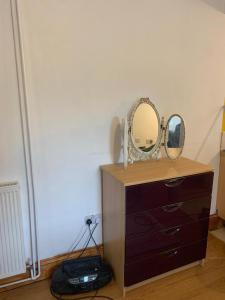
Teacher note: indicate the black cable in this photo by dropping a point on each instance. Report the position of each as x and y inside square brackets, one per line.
[59, 297]
[88, 241]
[74, 247]
[91, 234]
[85, 247]
[75, 240]
[82, 297]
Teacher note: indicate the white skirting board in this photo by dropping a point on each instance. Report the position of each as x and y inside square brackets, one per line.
[219, 233]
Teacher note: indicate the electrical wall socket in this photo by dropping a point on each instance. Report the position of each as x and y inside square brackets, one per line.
[95, 219]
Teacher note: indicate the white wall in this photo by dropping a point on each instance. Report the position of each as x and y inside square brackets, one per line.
[87, 62]
[12, 167]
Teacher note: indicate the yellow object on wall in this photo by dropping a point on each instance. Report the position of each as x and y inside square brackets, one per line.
[223, 122]
[222, 145]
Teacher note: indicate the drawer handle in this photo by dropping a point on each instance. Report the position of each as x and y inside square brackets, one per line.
[172, 207]
[174, 182]
[172, 231]
[172, 253]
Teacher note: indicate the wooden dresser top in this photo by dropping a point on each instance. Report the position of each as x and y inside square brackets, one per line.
[155, 170]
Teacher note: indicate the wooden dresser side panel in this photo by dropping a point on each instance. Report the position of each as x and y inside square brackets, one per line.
[113, 206]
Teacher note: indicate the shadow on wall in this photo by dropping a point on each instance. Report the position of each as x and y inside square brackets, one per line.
[217, 4]
[115, 140]
[215, 161]
[208, 133]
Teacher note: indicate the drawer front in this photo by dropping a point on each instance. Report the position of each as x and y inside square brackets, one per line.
[149, 267]
[167, 216]
[151, 195]
[154, 242]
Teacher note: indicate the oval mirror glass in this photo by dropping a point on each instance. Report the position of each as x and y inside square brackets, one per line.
[145, 129]
[175, 136]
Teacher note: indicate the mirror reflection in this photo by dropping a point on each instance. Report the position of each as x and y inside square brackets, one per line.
[145, 127]
[175, 135]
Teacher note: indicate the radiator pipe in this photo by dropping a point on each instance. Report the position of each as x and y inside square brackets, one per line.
[26, 134]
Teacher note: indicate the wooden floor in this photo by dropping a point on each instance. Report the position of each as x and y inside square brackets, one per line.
[198, 283]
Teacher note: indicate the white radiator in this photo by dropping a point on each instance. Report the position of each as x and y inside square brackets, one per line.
[12, 254]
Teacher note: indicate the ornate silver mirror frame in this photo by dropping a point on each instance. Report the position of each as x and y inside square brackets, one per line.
[134, 153]
[182, 137]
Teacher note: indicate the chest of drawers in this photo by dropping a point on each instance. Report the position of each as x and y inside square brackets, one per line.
[155, 217]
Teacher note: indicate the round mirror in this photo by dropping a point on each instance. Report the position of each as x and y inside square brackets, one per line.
[175, 135]
[145, 127]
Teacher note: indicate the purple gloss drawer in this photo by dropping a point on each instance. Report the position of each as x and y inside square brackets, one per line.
[151, 195]
[154, 242]
[167, 216]
[150, 266]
